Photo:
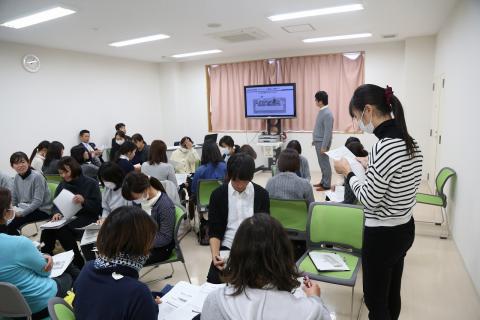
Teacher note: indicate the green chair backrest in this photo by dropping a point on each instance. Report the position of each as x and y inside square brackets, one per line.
[52, 187]
[63, 312]
[197, 164]
[335, 223]
[53, 178]
[292, 214]
[442, 177]
[205, 189]
[274, 169]
[180, 215]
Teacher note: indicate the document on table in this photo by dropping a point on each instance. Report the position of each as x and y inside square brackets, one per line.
[343, 152]
[336, 196]
[64, 203]
[61, 262]
[181, 178]
[328, 261]
[89, 236]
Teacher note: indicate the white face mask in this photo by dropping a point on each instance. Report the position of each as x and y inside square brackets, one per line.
[365, 128]
[141, 200]
[119, 142]
[109, 185]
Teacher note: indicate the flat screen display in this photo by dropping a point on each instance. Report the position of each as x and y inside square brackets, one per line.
[270, 101]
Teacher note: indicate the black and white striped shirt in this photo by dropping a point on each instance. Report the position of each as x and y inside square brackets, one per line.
[392, 179]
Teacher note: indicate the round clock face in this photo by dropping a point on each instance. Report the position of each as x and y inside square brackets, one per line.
[31, 63]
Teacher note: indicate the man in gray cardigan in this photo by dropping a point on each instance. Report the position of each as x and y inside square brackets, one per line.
[322, 139]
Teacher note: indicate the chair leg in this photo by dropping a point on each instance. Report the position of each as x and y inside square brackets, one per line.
[351, 306]
[360, 309]
[446, 232]
[159, 279]
[186, 271]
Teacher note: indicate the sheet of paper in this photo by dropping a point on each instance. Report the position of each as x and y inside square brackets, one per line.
[60, 263]
[328, 261]
[336, 196]
[224, 254]
[91, 226]
[54, 224]
[180, 295]
[181, 178]
[196, 304]
[343, 152]
[89, 236]
[64, 203]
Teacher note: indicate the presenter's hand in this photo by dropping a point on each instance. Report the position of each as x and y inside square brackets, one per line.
[323, 150]
[342, 166]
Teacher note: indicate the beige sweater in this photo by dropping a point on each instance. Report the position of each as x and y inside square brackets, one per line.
[183, 160]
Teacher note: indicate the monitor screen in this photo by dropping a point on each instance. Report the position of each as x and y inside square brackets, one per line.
[270, 101]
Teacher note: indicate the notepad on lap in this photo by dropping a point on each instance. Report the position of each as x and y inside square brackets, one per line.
[61, 262]
[328, 261]
[56, 224]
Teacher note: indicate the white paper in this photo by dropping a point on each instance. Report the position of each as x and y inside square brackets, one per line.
[328, 261]
[336, 196]
[181, 178]
[355, 165]
[196, 304]
[91, 226]
[177, 297]
[64, 203]
[61, 262]
[224, 254]
[89, 236]
[54, 224]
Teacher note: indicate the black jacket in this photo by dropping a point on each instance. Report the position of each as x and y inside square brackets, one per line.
[218, 208]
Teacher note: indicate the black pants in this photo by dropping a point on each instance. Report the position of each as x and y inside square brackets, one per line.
[160, 254]
[383, 254]
[33, 216]
[214, 273]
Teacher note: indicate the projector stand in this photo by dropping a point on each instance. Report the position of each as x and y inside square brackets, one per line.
[271, 143]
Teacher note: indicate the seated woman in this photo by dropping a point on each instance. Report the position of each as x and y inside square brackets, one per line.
[286, 184]
[22, 265]
[108, 287]
[30, 194]
[246, 148]
[185, 157]
[87, 194]
[54, 154]
[212, 165]
[229, 147]
[304, 171]
[117, 141]
[355, 146]
[125, 154]
[80, 154]
[150, 194]
[261, 276]
[157, 165]
[38, 155]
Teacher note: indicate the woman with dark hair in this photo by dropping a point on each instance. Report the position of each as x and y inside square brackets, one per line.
[38, 155]
[151, 196]
[229, 147]
[54, 154]
[184, 159]
[246, 148]
[87, 194]
[80, 154]
[30, 194]
[124, 155]
[212, 165]
[22, 265]
[261, 277]
[108, 287]
[388, 195]
[304, 171]
[117, 141]
[143, 150]
[157, 165]
[286, 184]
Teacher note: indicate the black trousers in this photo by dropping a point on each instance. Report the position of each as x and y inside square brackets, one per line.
[383, 254]
[33, 216]
[214, 273]
[160, 254]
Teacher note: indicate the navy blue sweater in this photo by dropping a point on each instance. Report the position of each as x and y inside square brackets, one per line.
[99, 296]
[126, 165]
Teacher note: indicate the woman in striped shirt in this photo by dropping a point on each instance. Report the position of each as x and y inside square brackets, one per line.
[388, 194]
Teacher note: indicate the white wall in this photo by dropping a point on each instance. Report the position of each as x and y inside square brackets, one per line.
[386, 63]
[457, 58]
[73, 91]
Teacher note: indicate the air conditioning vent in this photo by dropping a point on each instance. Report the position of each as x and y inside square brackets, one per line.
[240, 35]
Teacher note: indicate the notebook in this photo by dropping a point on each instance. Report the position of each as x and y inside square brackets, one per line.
[328, 261]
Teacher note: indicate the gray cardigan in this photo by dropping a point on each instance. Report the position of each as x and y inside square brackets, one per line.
[6, 182]
[289, 186]
[322, 132]
[31, 193]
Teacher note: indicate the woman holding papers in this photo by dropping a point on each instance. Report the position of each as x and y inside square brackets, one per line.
[85, 206]
[388, 194]
[151, 196]
[261, 276]
[22, 265]
[108, 287]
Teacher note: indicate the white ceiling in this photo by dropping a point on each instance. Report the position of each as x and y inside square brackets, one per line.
[100, 22]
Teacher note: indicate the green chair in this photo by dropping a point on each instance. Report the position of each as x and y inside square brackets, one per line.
[59, 309]
[52, 186]
[204, 191]
[55, 178]
[292, 214]
[274, 169]
[339, 226]
[177, 255]
[439, 198]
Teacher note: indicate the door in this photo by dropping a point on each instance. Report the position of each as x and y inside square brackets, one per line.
[435, 137]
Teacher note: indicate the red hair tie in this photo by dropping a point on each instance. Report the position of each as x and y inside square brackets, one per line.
[388, 95]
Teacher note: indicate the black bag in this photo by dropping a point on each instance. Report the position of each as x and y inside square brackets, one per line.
[203, 232]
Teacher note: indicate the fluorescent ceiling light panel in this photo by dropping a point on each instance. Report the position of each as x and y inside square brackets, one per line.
[38, 17]
[343, 37]
[139, 40]
[198, 53]
[316, 12]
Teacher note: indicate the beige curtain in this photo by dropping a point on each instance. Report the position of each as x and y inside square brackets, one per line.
[336, 74]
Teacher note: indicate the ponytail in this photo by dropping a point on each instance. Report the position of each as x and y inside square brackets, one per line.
[42, 145]
[399, 116]
[156, 184]
[137, 182]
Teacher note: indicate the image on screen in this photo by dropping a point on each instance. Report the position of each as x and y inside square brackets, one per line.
[270, 101]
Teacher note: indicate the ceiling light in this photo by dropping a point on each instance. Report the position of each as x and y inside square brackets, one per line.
[343, 37]
[139, 40]
[316, 12]
[198, 53]
[38, 17]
